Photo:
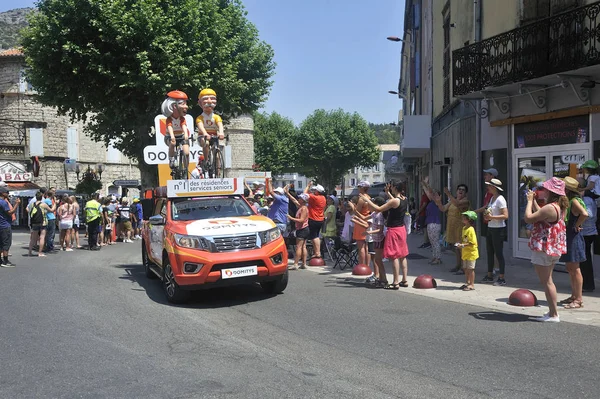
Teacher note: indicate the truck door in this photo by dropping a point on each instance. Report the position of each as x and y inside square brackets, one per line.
[157, 231]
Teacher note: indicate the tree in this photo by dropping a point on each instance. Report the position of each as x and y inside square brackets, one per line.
[110, 62]
[333, 142]
[275, 138]
[385, 133]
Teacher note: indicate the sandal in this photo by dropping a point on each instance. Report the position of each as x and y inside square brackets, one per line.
[574, 305]
[381, 284]
[462, 287]
[467, 288]
[403, 284]
[568, 300]
[392, 287]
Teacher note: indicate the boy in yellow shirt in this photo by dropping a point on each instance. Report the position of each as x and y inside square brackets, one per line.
[470, 250]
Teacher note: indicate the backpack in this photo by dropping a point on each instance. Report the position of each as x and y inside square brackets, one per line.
[37, 214]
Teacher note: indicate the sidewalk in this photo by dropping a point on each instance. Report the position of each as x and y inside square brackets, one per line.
[519, 274]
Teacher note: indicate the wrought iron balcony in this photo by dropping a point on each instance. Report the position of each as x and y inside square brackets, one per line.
[560, 43]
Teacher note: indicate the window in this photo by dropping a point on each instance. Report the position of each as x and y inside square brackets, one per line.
[113, 155]
[299, 184]
[36, 142]
[352, 182]
[446, 66]
[72, 143]
[24, 85]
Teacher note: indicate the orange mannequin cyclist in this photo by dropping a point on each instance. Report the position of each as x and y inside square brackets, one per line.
[209, 124]
[175, 108]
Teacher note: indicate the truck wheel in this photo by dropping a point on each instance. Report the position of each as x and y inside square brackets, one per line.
[174, 293]
[276, 286]
[146, 262]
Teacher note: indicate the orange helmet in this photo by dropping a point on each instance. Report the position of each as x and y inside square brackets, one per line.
[177, 95]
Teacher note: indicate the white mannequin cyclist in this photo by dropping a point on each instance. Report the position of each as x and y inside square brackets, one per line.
[175, 108]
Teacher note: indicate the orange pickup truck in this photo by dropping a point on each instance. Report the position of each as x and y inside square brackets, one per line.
[202, 234]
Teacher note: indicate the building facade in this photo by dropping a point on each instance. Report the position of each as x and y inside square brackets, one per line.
[514, 88]
[35, 141]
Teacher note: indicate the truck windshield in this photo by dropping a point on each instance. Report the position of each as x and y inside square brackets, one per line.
[209, 208]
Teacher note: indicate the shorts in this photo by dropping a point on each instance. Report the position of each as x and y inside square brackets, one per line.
[371, 247]
[139, 224]
[303, 234]
[314, 228]
[468, 264]
[543, 259]
[37, 227]
[178, 139]
[5, 239]
[65, 224]
[378, 244]
[127, 226]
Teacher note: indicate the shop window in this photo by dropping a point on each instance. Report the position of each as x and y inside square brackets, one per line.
[532, 170]
[36, 141]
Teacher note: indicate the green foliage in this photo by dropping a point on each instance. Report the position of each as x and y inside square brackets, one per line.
[112, 61]
[11, 22]
[88, 186]
[275, 142]
[333, 142]
[385, 133]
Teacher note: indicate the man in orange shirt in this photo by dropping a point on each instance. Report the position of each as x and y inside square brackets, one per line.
[316, 215]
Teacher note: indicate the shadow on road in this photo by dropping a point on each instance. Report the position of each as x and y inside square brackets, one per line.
[204, 299]
[499, 316]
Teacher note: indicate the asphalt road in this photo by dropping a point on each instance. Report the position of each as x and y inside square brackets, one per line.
[89, 324]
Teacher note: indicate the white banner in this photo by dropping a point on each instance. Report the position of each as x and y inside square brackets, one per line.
[204, 187]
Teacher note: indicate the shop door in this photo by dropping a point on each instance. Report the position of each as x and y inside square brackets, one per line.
[532, 169]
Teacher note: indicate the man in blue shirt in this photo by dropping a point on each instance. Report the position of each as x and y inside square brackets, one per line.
[51, 217]
[279, 209]
[6, 212]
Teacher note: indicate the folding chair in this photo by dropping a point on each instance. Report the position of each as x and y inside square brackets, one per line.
[330, 247]
[347, 255]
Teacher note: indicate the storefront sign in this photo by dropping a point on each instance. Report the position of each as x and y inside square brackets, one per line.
[570, 130]
[573, 158]
[14, 172]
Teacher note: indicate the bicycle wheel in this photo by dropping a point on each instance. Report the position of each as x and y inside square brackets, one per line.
[219, 164]
[183, 172]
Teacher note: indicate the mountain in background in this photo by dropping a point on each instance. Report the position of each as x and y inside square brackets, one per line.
[385, 133]
[11, 22]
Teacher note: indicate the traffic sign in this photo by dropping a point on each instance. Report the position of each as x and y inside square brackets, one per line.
[126, 183]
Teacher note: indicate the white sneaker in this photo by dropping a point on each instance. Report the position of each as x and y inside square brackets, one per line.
[546, 318]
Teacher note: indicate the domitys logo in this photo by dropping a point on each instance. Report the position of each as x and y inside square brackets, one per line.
[222, 222]
[229, 273]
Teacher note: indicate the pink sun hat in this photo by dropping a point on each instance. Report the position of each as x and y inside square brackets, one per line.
[555, 185]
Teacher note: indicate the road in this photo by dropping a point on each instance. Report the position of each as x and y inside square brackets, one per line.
[89, 324]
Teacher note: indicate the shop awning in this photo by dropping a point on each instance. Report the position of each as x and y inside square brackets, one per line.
[22, 189]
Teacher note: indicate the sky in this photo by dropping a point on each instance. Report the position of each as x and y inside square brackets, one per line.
[330, 54]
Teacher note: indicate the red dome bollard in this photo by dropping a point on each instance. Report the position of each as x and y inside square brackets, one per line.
[425, 281]
[522, 297]
[361, 270]
[316, 262]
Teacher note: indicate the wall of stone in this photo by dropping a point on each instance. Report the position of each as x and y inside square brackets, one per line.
[241, 139]
[19, 112]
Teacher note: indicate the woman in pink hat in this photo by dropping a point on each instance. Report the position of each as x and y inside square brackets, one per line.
[548, 239]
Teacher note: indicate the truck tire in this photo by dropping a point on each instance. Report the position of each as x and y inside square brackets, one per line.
[276, 286]
[173, 292]
[146, 262]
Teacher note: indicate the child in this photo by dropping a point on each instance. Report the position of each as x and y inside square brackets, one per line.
[376, 232]
[470, 251]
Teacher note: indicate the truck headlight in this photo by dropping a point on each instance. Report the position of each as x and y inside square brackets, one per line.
[270, 235]
[194, 242]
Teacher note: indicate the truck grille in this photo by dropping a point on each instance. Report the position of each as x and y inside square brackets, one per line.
[237, 243]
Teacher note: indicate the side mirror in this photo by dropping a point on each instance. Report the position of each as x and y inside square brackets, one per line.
[157, 220]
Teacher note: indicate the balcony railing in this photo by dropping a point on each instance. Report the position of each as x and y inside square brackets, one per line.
[560, 43]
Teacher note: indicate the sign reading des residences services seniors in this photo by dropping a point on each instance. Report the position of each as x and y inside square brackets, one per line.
[204, 187]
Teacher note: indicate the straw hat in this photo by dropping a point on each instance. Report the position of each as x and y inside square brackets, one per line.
[495, 183]
[571, 184]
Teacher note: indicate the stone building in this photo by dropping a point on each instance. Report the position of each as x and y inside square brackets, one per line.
[33, 135]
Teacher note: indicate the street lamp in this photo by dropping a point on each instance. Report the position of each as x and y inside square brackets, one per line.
[89, 174]
[394, 39]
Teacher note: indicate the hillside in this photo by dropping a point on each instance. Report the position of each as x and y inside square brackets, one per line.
[11, 22]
